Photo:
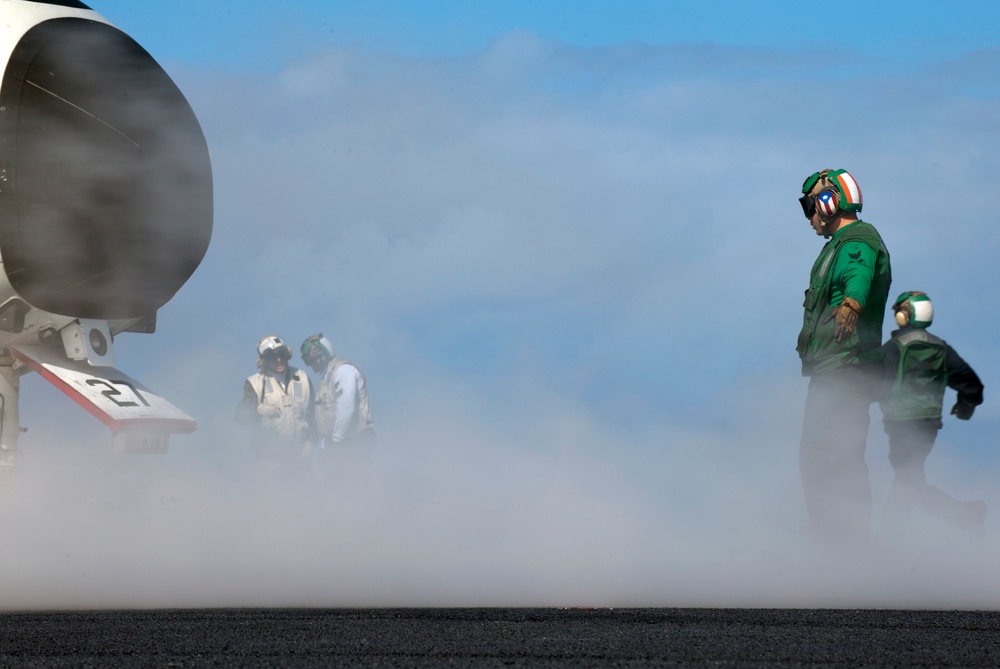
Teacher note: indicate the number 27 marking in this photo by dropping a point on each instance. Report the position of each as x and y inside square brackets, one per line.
[113, 393]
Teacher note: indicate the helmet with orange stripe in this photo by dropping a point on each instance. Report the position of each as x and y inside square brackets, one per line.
[830, 193]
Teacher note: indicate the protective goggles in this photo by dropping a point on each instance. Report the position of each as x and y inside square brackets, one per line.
[808, 203]
[279, 353]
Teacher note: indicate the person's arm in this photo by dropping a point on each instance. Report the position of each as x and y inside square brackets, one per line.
[246, 410]
[965, 382]
[346, 387]
[311, 411]
[888, 361]
[853, 271]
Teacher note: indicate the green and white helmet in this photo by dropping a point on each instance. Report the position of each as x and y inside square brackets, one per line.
[317, 350]
[913, 308]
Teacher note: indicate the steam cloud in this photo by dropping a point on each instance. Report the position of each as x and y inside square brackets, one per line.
[573, 279]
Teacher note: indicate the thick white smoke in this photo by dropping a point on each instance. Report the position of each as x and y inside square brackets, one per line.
[459, 509]
[573, 279]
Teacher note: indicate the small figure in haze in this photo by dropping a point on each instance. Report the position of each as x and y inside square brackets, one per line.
[343, 417]
[277, 405]
[841, 332]
[917, 368]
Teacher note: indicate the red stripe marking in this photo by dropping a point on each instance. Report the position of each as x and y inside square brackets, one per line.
[178, 425]
[73, 393]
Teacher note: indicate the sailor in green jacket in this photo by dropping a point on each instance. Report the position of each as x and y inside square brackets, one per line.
[841, 332]
[917, 368]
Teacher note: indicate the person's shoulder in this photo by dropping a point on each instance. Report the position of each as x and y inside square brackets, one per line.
[909, 335]
[253, 384]
[860, 230]
[865, 225]
[858, 249]
[345, 366]
[942, 342]
[861, 237]
[872, 231]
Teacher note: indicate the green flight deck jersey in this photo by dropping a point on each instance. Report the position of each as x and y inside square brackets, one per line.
[855, 264]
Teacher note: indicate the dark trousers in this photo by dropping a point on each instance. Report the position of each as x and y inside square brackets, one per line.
[910, 442]
[832, 460]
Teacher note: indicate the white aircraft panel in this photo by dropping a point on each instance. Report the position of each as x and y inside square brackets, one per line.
[114, 398]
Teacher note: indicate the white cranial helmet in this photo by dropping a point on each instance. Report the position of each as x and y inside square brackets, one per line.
[271, 343]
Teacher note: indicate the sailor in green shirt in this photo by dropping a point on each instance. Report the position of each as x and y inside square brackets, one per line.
[841, 332]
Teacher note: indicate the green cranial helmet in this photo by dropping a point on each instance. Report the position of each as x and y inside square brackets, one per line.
[317, 350]
[830, 192]
[913, 308]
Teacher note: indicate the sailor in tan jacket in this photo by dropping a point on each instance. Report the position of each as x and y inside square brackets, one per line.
[277, 405]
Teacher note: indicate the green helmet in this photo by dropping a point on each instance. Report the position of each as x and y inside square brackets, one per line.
[913, 308]
[317, 350]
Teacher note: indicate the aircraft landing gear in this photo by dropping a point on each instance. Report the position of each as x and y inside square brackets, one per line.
[10, 427]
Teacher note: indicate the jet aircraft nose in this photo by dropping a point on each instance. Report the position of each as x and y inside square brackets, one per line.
[106, 204]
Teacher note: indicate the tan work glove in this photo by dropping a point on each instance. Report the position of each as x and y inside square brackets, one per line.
[845, 318]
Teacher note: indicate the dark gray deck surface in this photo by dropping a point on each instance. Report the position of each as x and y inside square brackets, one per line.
[498, 637]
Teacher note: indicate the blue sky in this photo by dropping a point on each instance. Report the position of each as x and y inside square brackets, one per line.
[264, 35]
[563, 242]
